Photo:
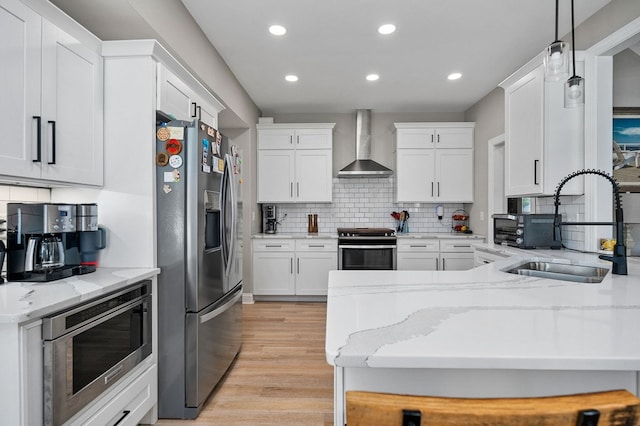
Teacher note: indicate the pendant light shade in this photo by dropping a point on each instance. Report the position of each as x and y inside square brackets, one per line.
[574, 92]
[556, 58]
[574, 87]
[556, 61]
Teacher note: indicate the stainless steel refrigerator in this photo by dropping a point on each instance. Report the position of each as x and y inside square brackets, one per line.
[200, 283]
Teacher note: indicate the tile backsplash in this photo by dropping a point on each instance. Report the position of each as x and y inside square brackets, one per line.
[364, 202]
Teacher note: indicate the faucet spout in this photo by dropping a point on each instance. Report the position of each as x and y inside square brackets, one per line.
[619, 257]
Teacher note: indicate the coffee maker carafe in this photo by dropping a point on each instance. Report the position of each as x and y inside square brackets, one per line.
[45, 252]
[269, 219]
[42, 241]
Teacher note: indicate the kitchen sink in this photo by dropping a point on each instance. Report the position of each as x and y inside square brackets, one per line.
[559, 271]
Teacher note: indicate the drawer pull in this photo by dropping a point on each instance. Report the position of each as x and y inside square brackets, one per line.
[125, 413]
[462, 246]
[418, 245]
[316, 245]
[273, 245]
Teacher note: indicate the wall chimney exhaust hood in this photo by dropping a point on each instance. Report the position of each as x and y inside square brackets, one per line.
[364, 166]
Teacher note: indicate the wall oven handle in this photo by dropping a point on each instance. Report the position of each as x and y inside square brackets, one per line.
[114, 373]
[366, 247]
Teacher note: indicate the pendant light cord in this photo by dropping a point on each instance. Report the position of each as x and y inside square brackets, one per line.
[557, 8]
[573, 41]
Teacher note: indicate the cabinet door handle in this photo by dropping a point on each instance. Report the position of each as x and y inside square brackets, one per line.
[193, 111]
[39, 138]
[53, 142]
[432, 138]
[298, 265]
[535, 172]
[297, 189]
[444, 265]
[291, 190]
[298, 139]
[438, 137]
[437, 265]
[199, 108]
[438, 189]
[432, 189]
[124, 414]
[291, 140]
[291, 262]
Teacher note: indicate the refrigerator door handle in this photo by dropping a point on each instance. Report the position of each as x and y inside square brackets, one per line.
[220, 309]
[231, 188]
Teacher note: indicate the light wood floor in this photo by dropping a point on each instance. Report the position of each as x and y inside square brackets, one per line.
[280, 377]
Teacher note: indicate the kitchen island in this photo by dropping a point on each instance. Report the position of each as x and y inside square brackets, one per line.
[482, 332]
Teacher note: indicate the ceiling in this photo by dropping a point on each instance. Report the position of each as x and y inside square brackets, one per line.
[333, 44]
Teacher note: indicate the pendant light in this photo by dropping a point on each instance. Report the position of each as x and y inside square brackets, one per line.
[556, 57]
[574, 87]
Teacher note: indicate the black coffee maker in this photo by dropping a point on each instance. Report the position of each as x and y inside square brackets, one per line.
[43, 242]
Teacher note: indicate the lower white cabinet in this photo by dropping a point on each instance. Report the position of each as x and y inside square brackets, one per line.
[288, 267]
[418, 255]
[436, 255]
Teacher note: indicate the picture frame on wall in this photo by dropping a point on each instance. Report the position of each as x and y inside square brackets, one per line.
[626, 148]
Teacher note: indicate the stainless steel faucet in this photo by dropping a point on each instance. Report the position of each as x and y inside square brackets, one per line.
[619, 258]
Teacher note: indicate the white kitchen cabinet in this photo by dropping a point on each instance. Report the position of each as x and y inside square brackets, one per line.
[273, 272]
[434, 162]
[314, 259]
[295, 163]
[457, 254]
[284, 267]
[52, 101]
[417, 255]
[182, 101]
[420, 254]
[544, 141]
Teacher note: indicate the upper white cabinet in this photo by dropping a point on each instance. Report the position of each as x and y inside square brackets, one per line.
[434, 162]
[51, 103]
[544, 141]
[295, 162]
[179, 99]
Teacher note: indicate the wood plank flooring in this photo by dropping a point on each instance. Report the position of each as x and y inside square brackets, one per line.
[280, 377]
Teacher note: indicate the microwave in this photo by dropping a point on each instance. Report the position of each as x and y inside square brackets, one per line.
[525, 231]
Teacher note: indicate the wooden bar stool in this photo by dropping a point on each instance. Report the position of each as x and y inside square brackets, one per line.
[617, 407]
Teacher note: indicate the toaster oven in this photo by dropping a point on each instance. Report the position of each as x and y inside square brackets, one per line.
[525, 231]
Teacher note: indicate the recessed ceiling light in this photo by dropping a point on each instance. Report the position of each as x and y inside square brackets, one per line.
[386, 29]
[373, 77]
[291, 78]
[454, 76]
[277, 30]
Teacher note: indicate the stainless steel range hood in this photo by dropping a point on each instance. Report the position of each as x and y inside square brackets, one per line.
[364, 166]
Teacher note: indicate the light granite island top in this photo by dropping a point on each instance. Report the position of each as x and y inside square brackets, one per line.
[482, 332]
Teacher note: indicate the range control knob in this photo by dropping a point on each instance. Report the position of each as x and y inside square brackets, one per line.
[519, 240]
[519, 231]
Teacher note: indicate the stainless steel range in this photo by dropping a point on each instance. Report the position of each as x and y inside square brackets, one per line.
[366, 248]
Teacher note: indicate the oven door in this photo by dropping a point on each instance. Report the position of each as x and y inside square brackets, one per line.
[81, 364]
[366, 255]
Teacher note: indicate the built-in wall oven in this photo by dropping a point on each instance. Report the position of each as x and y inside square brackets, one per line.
[366, 248]
[88, 348]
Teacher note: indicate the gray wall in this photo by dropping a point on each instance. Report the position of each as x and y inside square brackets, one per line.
[488, 114]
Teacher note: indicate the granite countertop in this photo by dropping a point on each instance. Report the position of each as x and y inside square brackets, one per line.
[484, 318]
[26, 301]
